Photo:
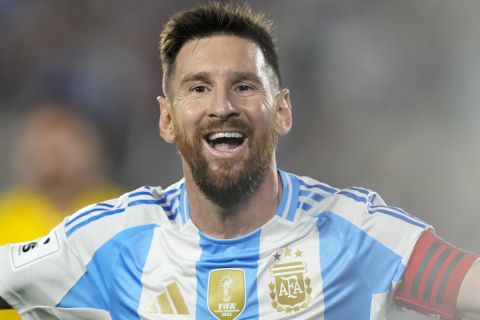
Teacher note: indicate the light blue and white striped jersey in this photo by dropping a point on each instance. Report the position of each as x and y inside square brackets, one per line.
[326, 254]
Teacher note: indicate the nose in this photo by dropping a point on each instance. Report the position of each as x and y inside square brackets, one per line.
[223, 106]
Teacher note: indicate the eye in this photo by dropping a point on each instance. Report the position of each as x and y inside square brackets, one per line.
[199, 88]
[244, 88]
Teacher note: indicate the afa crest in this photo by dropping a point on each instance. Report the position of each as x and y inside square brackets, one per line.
[290, 286]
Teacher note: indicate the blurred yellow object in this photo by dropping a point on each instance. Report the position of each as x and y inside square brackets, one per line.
[9, 315]
[25, 215]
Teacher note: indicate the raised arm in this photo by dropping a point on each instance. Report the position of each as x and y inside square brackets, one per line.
[441, 280]
[468, 302]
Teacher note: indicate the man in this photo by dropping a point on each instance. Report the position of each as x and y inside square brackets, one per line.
[236, 238]
[59, 165]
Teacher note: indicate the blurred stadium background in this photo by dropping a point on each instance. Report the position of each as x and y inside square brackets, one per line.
[385, 93]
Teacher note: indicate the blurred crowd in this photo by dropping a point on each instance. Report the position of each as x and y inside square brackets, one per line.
[384, 93]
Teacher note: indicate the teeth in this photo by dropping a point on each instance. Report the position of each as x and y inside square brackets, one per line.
[219, 135]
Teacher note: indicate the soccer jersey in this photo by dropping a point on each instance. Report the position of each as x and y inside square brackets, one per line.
[326, 254]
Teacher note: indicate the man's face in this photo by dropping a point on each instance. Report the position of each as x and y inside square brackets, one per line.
[224, 114]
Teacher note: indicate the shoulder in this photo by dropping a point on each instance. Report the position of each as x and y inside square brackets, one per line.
[115, 212]
[93, 226]
[353, 204]
[359, 213]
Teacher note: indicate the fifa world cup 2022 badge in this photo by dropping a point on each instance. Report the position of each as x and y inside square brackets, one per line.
[290, 288]
[226, 293]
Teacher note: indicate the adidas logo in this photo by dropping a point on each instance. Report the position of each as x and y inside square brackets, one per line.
[169, 302]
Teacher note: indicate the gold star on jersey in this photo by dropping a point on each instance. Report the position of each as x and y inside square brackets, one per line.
[290, 288]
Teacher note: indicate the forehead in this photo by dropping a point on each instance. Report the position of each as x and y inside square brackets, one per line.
[220, 55]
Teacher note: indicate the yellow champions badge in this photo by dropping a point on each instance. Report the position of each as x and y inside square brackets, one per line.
[226, 293]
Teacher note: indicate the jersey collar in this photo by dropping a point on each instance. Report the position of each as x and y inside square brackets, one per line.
[286, 209]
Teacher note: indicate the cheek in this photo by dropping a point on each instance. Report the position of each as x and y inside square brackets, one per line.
[191, 115]
[184, 124]
[187, 114]
[263, 116]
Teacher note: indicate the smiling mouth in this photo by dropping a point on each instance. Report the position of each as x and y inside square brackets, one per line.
[225, 141]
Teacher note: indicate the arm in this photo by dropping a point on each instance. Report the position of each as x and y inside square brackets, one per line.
[440, 280]
[4, 304]
[468, 302]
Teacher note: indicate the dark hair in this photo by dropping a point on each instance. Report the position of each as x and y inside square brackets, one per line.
[216, 18]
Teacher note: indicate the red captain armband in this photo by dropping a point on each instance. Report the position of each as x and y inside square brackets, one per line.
[432, 280]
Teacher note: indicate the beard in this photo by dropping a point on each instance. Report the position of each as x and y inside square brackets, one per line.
[224, 186]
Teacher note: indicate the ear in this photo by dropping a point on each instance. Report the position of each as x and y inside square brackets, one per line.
[166, 122]
[284, 112]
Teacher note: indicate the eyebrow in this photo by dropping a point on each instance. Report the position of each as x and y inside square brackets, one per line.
[189, 77]
[205, 76]
[240, 76]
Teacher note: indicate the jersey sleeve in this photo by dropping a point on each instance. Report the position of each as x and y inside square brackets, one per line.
[396, 232]
[68, 272]
[430, 271]
[38, 273]
[377, 238]
[390, 227]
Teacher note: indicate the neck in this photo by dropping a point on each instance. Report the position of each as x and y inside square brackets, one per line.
[238, 220]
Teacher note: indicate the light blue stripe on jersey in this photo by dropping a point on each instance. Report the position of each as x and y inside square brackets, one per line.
[167, 202]
[354, 269]
[104, 213]
[126, 288]
[288, 203]
[184, 207]
[241, 253]
[107, 213]
[98, 207]
[311, 195]
[398, 216]
[140, 193]
[372, 195]
[170, 198]
[286, 191]
[391, 211]
[362, 190]
[94, 289]
[353, 196]
[329, 190]
[101, 207]
[304, 206]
